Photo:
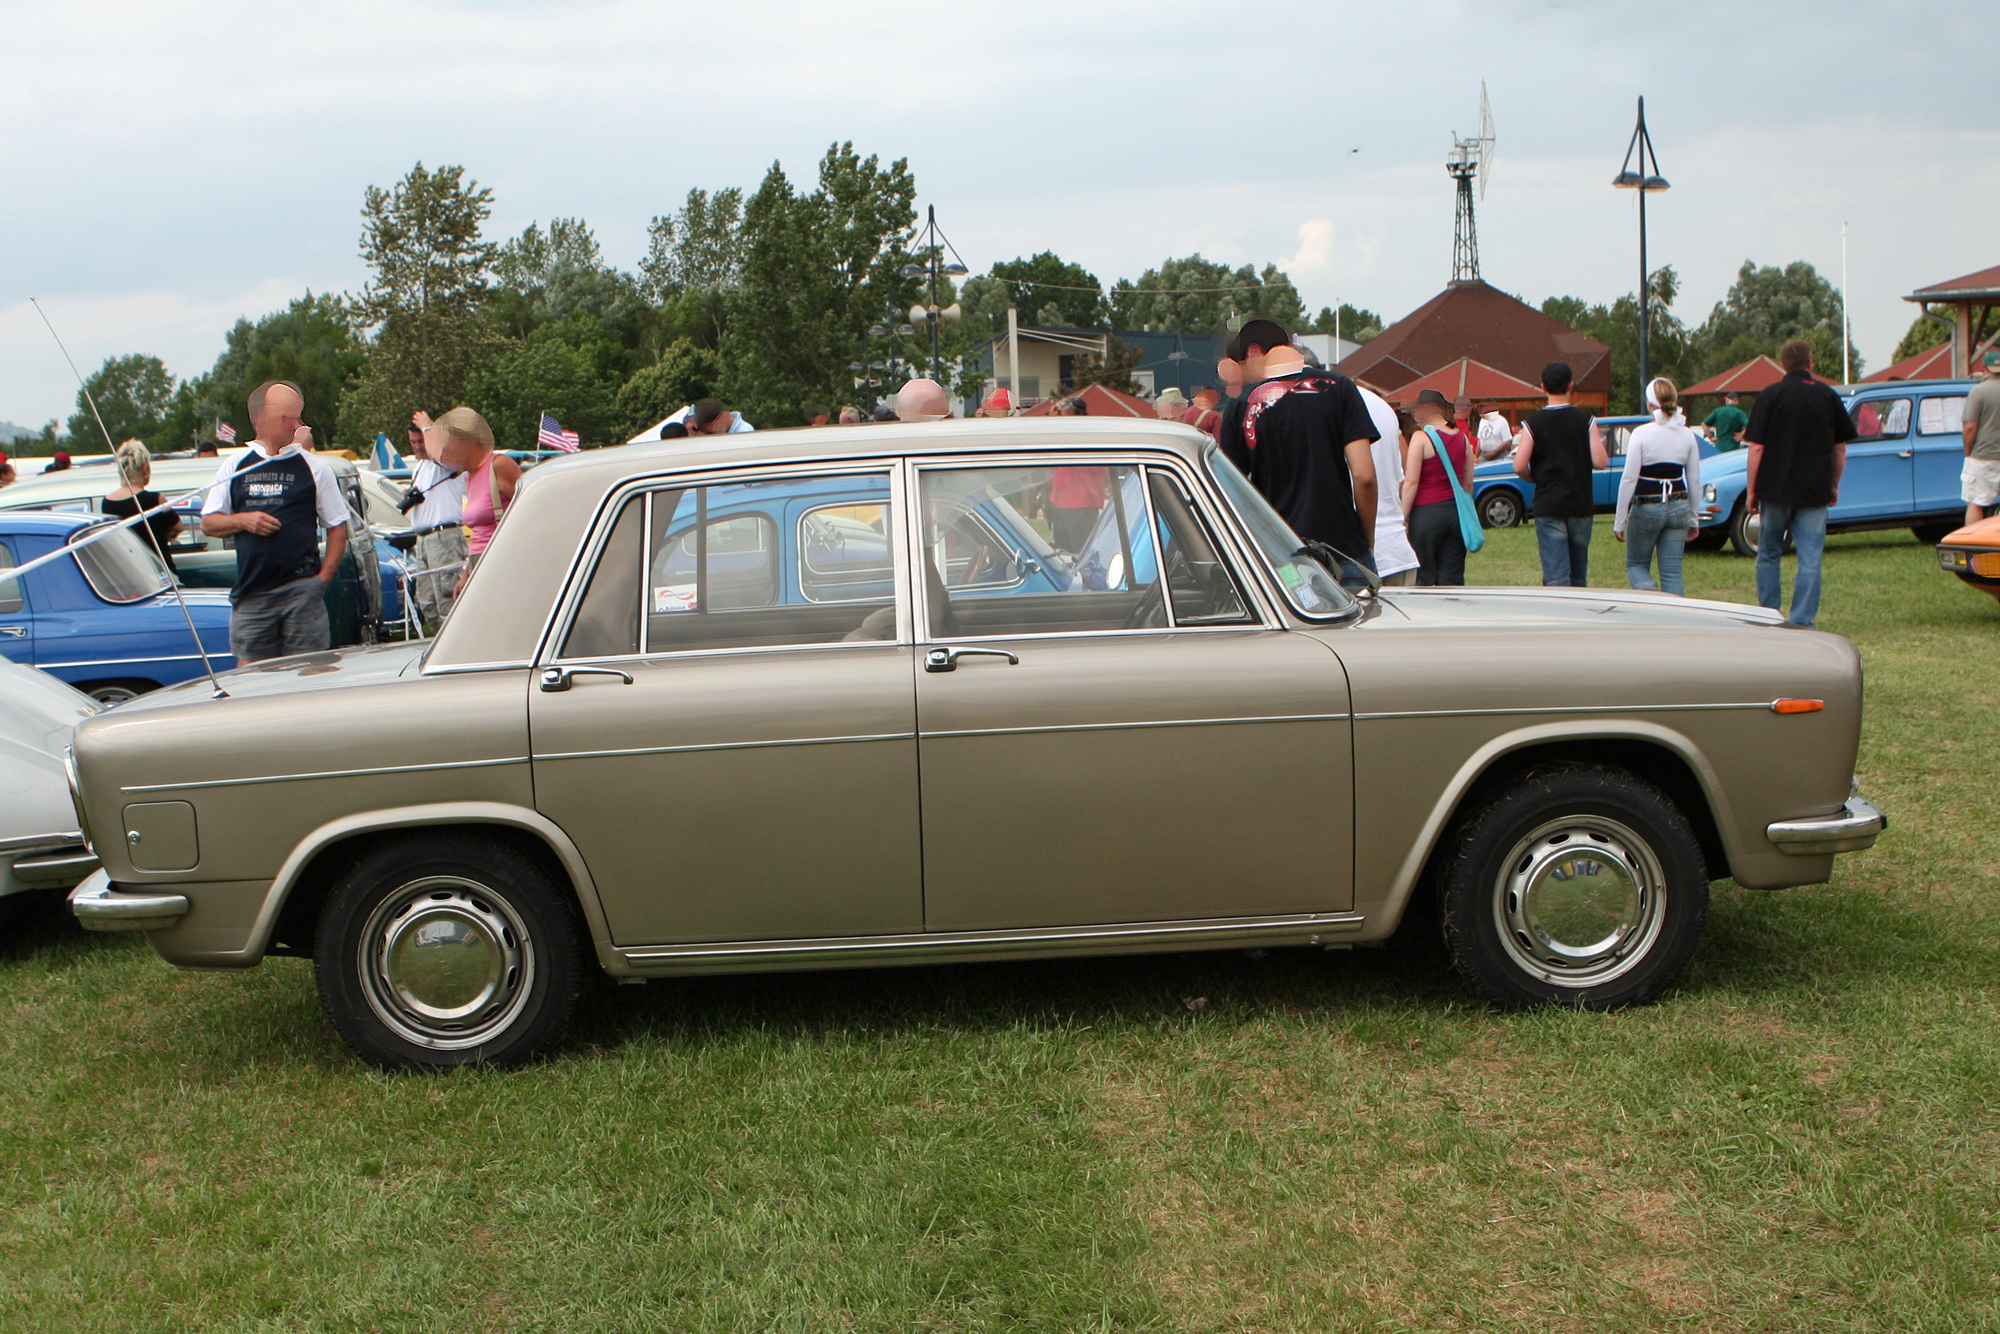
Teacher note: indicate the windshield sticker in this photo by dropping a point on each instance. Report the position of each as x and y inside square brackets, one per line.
[1289, 576]
[673, 597]
[1305, 596]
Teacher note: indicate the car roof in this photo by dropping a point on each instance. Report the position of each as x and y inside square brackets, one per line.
[885, 440]
[45, 521]
[1899, 388]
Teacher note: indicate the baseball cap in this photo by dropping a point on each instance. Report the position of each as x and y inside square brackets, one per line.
[1992, 358]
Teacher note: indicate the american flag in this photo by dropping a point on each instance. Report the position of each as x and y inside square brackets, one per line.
[553, 436]
[225, 432]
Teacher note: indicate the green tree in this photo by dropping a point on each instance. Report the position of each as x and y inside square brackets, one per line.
[1765, 308]
[313, 342]
[432, 270]
[1113, 370]
[1047, 291]
[817, 270]
[694, 262]
[540, 277]
[1922, 335]
[570, 368]
[1356, 325]
[133, 394]
[685, 372]
[1670, 350]
[1200, 296]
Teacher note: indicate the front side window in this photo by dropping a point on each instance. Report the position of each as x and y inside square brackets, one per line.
[10, 589]
[120, 566]
[807, 560]
[1881, 418]
[1198, 580]
[1307, 584]
[1941, 416]
[1038, 550]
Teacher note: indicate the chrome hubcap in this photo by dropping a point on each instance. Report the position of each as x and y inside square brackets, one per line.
[446, 963]
[1579, 901]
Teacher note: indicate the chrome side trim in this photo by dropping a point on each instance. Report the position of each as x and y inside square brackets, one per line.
[33, 842]
[1126, 727]
[869, 949]
[101, 907]
[721, 745]
[1858, 825]
[326, 773]
[131, 662]
[1763, 705]
[458, 668]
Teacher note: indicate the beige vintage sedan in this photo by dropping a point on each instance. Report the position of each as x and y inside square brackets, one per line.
[973, 690]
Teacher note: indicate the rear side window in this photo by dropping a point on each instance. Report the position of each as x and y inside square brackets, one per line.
[119, 565]
[806, 560]
[10, 589]
[1941, 416]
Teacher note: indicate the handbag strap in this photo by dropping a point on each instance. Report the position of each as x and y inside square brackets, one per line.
[493, 484]
[1444, 461]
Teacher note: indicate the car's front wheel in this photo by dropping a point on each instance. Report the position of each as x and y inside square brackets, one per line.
[1500, 508]
[1576, 885]
[444, 950]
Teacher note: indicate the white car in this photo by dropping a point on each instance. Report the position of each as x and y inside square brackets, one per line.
[40, 844]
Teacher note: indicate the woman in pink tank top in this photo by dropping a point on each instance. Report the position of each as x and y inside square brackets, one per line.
[462, 440]
[1429, 504]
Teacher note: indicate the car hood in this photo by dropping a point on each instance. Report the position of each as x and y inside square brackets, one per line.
[332, 670]
[1729, 464]
[1513, 608]
[1985, 533]
[37, 715]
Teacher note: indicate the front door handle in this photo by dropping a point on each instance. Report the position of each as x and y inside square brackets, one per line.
[14, 631]
[1905, 453]
[946, 659]
[561, 678]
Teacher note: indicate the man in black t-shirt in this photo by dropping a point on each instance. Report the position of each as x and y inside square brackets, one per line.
[1303, 439]
[273, 498]
[1557, 449]
[1797, 438]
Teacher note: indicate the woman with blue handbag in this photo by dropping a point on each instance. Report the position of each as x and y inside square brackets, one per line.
[1437, 484]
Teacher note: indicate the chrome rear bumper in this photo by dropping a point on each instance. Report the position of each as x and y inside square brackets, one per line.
[1857, 826]
[99, 907]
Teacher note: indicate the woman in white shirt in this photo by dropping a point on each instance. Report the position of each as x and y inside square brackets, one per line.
[1655, 495]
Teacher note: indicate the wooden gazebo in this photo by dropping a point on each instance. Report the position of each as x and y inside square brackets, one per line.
[1972, 304]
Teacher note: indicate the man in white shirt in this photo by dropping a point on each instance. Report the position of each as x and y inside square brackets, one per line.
[1395, 558]
[273, 498]
[705, 416]
[438, 522]
[1496, 437]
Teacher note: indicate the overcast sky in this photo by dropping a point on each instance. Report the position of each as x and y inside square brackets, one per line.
[171, 167]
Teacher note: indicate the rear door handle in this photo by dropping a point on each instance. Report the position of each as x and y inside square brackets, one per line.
[14, 631]
[1905, 453]
[945, 659]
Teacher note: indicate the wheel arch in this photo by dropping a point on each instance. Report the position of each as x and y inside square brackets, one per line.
[1660, 755]
[285, 923]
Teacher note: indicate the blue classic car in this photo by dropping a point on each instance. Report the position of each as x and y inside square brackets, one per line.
[1902, 467]
[1505, 500]
[105, 620]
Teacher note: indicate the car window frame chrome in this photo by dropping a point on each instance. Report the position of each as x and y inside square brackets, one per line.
[1208, 508]
[1208, 529]
[590, 550]
[1268, 580]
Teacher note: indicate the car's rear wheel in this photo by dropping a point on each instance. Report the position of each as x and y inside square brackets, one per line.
[109, 693]
[433, 952]
[1930, 534]
[1576, 885]
[1500, 508]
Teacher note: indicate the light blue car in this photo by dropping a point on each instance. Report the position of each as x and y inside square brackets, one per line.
[1505, 500]
[1902, 467]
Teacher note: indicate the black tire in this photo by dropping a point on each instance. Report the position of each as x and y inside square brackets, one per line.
[111, 693]
[1711, 539]
[1742, 528]
[1631, 911]
[1930, 534]
[504, 1002]
[1500, 507]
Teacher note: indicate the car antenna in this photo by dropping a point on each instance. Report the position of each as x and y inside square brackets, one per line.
[172, 582]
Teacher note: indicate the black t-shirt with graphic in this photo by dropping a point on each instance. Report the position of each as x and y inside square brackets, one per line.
[283, 487]
[1290, 437]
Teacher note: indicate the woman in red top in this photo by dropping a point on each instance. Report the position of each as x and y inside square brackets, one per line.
[1429, 505]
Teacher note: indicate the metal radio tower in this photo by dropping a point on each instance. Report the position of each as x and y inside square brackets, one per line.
[1469, 162]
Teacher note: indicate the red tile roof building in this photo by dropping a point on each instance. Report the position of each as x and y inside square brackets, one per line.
[1478, 322]
[1932, 365]
[1758, 373]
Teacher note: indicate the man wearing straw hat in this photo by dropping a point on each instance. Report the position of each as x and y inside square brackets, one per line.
[273, 498]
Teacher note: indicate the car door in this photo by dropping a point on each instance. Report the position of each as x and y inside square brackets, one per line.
[1880, 478]
[1940, 453]
[17, 625]
[733, 753]
[1101, 745]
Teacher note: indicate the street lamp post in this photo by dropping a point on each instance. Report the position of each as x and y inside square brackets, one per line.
[1646, 182]
[928, 312]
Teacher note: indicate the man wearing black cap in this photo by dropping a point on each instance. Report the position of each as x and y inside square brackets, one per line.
[1557, 449]
[1303, 439]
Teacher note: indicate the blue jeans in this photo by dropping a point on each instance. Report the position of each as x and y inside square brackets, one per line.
[1805, 525]
[1565, 545]
[1349, 573]
[1651, 527]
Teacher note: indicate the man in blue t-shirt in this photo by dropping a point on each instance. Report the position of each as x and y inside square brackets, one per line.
[273, 498]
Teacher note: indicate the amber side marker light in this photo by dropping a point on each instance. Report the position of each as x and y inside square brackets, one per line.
[1797, 705]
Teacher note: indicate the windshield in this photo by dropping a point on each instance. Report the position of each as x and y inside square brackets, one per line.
[120, 566]
[1307, 584]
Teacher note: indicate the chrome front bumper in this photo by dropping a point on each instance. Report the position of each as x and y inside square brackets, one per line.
[44, 861]
[1857, 826]
[99, 907]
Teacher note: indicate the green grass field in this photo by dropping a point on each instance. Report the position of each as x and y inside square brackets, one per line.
[1802, 1136]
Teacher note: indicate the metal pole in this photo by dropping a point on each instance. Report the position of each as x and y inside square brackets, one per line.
[1846, 368]
[1645, 362]
[1014, 360]
[934, 277]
